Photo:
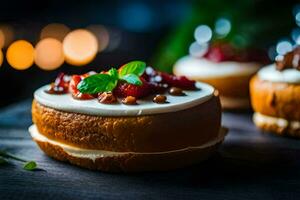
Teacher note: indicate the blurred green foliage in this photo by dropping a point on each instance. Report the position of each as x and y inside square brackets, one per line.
[254, 23]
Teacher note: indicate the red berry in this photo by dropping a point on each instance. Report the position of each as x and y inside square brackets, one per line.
[220, 52]
[126, 89]
[73, 88]
[60, 85]
[160, 81]
[177, 81]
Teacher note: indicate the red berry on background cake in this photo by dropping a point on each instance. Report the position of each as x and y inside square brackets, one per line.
[220, 52]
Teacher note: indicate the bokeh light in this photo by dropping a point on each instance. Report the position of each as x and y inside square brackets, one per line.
[295, 35]
[8, 35]
[297, 18]
[80, 47]
[222, 27]
[283, 47]
[101, 34]
[198, 50]
[203, 34]
[137, 16]
[55, 30]
[272, 52]
[20, 55]
[115, 39]
[49, 54]
[2, 39]
[1, 58]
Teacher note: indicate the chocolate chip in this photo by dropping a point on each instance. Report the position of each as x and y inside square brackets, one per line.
[160, 99]
[129, 100]
[176, 91]
[107, 98]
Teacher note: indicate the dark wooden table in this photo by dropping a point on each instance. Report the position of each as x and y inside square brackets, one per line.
[249, 165]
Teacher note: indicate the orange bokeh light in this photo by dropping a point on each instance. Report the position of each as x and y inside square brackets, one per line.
[1, 57]
[49, 54]
[101, 34]
[80, 47]
[2, 39]
[20, 55]
[55, 30]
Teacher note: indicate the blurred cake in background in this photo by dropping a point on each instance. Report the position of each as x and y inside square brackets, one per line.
[275, 95]
[223, 65]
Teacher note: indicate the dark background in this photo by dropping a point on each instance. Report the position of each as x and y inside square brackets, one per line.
[158, 32]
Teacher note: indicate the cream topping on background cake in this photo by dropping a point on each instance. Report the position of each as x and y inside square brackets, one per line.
[94, 154]
[269, 73]
[203, 68]
[145, 106]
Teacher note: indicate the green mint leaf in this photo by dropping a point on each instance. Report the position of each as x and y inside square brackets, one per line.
[113, 72]
[97, 83]
[30, 165]
[132, 79]
[133, 67]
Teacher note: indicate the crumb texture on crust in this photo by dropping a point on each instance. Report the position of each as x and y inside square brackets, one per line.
[281, 100]
[278, 126]
[162, 132]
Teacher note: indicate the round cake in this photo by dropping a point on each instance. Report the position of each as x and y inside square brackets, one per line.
[275, 96]
[230, 78]
[158, 132]
[227, 68]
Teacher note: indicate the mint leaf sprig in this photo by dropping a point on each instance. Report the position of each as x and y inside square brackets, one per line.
[27, 165]
[106, 82]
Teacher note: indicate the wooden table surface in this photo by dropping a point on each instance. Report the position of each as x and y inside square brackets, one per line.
[249, 165]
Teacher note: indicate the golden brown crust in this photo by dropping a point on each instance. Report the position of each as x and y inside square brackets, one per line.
[131, 162]
[152, 133]
[280, 100]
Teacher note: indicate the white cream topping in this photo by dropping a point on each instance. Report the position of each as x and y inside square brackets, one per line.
[146, 106]
[198, 68]
[94, 154]
[261, 119]
[269, 73]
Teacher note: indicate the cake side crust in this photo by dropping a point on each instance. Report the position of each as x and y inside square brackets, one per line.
[162, 132]
[281, 100]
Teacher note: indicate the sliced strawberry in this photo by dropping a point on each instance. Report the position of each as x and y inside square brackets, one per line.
[75, 80]
[125, 89]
